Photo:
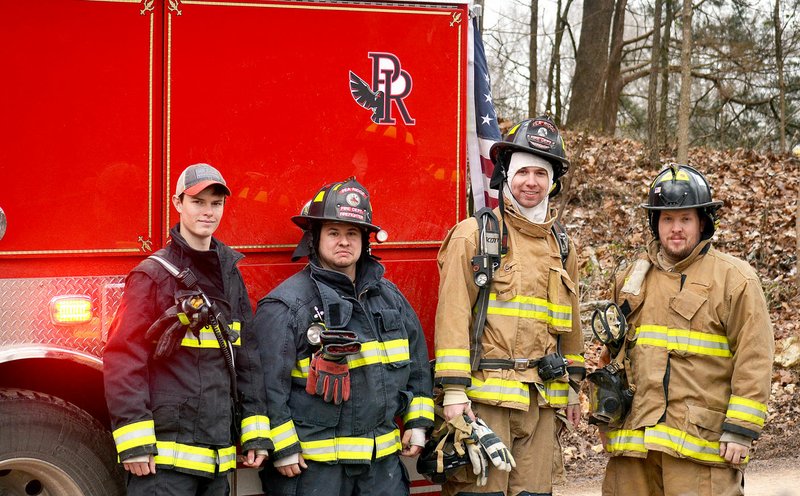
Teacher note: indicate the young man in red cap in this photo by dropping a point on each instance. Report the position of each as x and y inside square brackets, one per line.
[181, 369]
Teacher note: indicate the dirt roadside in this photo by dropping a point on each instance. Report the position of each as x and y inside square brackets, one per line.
[772, 477]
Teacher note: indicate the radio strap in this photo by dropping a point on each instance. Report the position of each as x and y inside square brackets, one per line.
[483, 266]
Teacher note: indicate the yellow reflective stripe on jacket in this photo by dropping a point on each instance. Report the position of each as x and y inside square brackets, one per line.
[300, 369]
[452, 360]
[748, 410]
[496, 389]
[135, 434]
[207, 337]
[683, 443]
[528, 307]
[576, 358]
[206, 460]
[374, 352]
[555, 393]
[420, 408]
[351, 448]
[701, 343]
[255, 426]
[387, 444]
[666, 437]
[284, 435]
[625, 440]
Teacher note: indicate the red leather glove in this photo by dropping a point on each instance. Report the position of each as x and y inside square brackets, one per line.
[328, 379]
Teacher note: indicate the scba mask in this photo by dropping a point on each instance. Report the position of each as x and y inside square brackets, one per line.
[611, 396]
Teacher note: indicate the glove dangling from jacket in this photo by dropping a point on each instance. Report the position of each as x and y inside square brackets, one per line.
[329, 373]
[329, 378]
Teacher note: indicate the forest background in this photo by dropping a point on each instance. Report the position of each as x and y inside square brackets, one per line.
[635, 84]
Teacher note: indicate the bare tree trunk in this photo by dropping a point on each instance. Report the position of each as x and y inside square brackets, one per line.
[554, 72]
[613, 87]
[652, 89]
[585, 108]
[684, 105]
[776, 17]
[534, 66]
[665, 46]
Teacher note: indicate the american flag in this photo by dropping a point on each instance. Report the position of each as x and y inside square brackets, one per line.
[482, 128]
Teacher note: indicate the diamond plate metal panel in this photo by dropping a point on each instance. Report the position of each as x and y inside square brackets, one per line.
[25, 312]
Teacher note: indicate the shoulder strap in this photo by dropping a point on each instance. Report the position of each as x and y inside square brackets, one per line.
[562, 239]
[484, 264]
[185, 277]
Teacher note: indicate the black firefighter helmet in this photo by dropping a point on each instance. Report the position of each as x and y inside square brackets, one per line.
[538, 136]
[439, 459]
[345, 201]
[679, 187]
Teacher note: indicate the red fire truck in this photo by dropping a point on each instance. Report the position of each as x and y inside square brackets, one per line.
[104, 102]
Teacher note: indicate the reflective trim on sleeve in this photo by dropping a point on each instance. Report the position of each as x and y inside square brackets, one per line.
[284, 435]
[555, 393]
[495, 389]
[420, 408]
[207, 338]
[740, 408]
[204, 460]
[136, 434]
[452, 360]
[529, 307]
[700, 343]
[255, 426]
[300, 369]
[576, 359]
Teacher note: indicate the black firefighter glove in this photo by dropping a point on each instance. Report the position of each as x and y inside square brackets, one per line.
[190, 311]
[329, 373]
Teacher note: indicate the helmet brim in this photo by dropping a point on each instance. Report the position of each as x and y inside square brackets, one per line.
[712, 204]
[305, 222]
[501, 147]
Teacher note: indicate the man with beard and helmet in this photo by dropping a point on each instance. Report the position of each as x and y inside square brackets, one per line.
[509, 347]
[700, 346]
[182, 374]
[344, 355]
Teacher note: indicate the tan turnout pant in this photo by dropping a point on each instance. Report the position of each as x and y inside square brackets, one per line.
[663, 475]
[530, 437]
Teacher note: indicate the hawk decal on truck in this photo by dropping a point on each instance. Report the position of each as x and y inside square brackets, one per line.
[390, 83]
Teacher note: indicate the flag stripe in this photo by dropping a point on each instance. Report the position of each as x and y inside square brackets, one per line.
[483, 129]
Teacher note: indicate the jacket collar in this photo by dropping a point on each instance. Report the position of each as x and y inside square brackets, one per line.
[699, 250]
[369, 272]
[227, 256]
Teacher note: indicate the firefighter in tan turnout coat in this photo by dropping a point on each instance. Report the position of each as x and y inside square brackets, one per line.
[700, 345]
[518, 375]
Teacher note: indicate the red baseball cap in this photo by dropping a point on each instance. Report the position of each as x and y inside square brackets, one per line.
[198, 177]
